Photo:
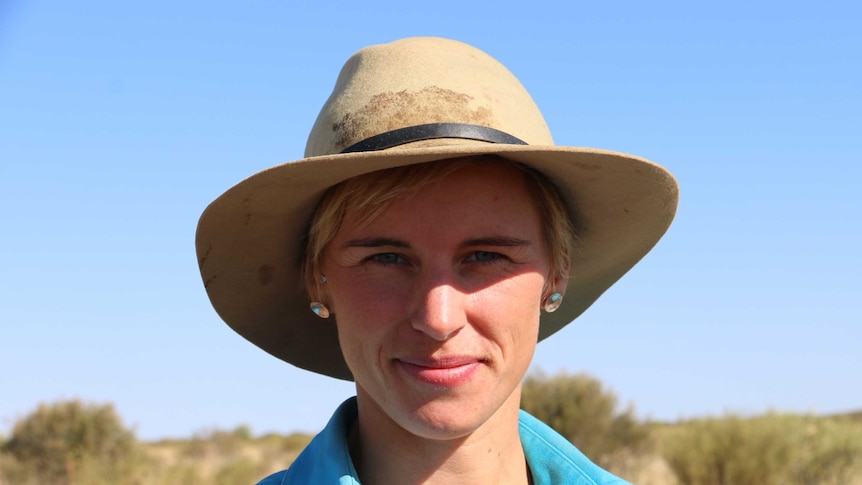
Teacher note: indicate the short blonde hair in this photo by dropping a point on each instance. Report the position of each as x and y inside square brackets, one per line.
[369, 195]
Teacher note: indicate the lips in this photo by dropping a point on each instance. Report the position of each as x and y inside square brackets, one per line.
[447, 372]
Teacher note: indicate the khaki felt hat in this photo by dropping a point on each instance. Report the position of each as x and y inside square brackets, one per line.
[413, 101]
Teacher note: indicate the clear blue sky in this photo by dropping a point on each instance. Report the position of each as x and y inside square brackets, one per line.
[120, 122]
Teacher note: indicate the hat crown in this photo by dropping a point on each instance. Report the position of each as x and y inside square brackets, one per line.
[418, 81]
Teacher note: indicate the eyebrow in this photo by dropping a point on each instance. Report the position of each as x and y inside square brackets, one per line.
[499, 241]
[377, 242]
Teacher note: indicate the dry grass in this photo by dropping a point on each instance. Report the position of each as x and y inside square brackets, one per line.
[212, 458]
[220, 458]
[68, 444]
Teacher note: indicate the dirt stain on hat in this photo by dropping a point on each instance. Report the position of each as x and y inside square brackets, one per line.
[392, 110]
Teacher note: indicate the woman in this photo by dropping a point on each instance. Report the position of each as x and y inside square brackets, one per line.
[432, 235]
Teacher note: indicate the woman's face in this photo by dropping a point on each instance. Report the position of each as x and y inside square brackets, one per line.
[437, 301]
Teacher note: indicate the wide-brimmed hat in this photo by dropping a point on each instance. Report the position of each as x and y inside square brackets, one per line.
[413, 101]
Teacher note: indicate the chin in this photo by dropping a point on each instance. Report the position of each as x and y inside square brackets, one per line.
[445, 419]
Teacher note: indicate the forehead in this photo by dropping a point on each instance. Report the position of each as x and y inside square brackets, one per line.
[488, 194]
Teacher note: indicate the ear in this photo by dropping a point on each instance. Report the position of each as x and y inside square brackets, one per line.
[560, 281]
[318, 290]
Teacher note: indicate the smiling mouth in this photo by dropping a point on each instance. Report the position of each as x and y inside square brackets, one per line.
[448, 372]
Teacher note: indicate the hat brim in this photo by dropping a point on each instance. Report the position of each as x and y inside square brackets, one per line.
[250, 240]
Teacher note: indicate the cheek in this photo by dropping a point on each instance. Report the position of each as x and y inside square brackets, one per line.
[521, 293]
[366, 325]
[513, 306]
[364, 311]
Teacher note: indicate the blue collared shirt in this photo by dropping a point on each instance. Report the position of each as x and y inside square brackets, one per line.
[553, 460]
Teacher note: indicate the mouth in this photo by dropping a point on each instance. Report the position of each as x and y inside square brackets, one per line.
[445, 372]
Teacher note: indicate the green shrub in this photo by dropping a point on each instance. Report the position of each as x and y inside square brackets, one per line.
[769, 449]
[71, 442]
[580, 408]
[718, 451]
[243, 432]
[296, 441]
[831, 453]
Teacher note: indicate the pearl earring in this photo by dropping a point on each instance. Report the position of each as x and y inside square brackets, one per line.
[552, 302]
[319, 309]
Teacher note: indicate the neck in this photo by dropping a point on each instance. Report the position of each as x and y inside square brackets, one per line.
[383, 452]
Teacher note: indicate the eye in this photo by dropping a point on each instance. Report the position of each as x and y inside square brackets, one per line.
[386, 258]
[484, 256]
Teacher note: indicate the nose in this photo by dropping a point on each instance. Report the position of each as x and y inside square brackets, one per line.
[440, 312]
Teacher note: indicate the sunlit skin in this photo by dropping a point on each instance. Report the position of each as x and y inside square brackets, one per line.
[437, 303]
